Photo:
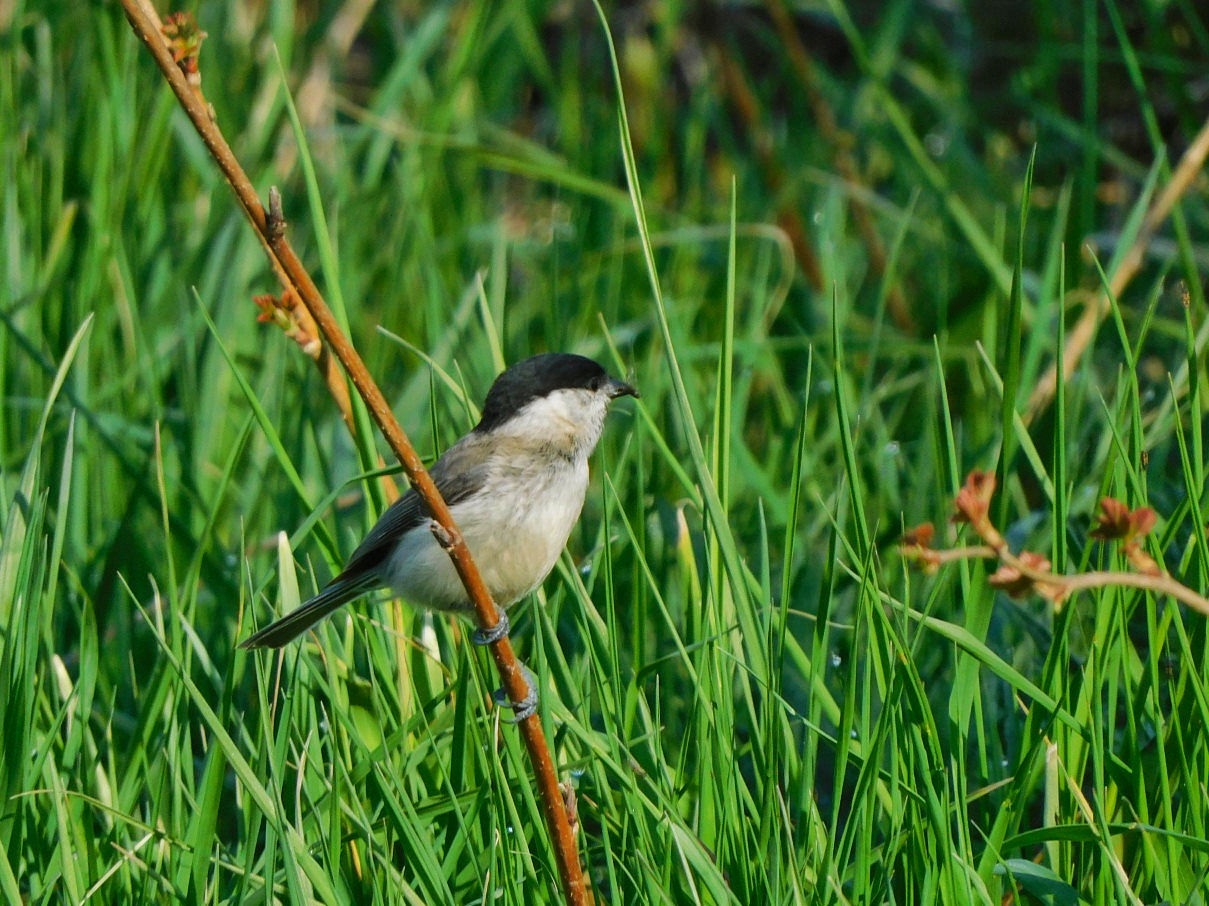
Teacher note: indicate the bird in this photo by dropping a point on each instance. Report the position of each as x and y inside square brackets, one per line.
[515, 486]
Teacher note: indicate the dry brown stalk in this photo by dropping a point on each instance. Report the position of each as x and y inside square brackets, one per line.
[316, 96]
[743, 99]
[1029, 572]
[841, 156]
[1192, 162]
[147, 27]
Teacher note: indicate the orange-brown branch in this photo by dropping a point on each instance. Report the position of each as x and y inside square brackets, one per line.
[147, 27]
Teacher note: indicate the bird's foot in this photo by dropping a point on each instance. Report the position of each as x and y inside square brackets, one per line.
[493, 633]
[526, 707]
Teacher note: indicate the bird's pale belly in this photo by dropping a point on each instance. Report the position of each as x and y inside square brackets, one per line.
[515, 548]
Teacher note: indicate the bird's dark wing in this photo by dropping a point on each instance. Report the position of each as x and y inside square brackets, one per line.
[459, 474]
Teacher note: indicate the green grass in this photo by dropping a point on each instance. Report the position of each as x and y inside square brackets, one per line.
[756, 698]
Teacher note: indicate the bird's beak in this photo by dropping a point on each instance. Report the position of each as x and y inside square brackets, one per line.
[621, 388]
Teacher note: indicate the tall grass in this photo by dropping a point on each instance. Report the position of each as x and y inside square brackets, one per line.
[753, 697]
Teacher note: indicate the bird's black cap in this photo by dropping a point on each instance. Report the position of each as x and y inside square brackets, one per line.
[539, 376]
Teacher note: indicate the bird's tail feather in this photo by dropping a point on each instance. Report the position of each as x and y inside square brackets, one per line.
[337, 593]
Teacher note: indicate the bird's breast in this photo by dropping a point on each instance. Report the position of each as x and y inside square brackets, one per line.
[515, 527]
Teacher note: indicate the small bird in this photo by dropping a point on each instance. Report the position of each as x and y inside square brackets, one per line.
[515, 486]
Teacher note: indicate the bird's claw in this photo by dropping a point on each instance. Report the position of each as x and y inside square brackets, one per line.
[444, 537]
[526, 707]
[493, 633]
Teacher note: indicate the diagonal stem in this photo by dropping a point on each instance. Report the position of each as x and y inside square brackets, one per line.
[1081, 335]
[146, 26]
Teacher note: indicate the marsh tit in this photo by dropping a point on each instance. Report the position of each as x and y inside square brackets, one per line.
[515, 486]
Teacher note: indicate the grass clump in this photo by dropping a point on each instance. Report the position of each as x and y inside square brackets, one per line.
[751, 693]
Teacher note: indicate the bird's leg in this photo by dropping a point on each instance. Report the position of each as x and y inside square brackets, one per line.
[526, 707]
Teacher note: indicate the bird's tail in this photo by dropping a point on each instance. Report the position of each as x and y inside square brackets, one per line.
[337, 593]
